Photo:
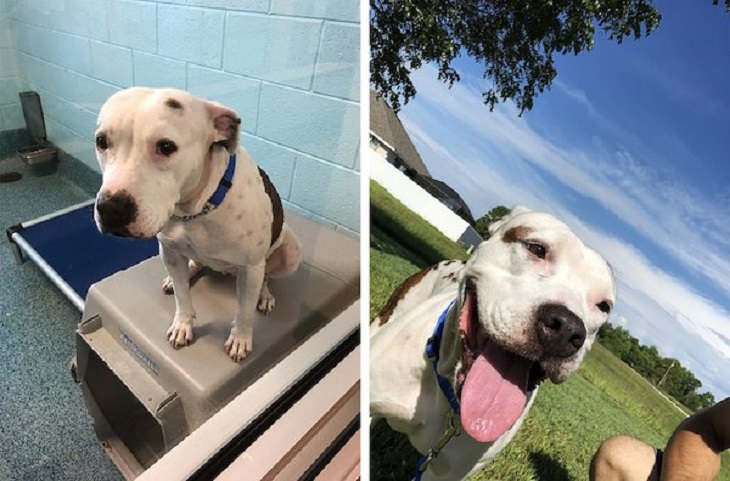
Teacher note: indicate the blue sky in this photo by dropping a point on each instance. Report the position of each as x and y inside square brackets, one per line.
[631, 147]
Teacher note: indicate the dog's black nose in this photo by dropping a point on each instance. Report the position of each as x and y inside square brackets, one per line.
[559, 330]
[116, 212]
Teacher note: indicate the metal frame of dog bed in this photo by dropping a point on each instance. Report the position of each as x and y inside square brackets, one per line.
[72, 253]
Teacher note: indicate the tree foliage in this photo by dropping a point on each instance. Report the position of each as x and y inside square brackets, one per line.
[482, 224]
[515, 41]
[666, 373]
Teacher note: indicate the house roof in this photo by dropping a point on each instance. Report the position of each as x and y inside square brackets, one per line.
[444, 191]
[385, 124]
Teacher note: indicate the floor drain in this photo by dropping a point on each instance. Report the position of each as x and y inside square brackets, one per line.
[10, 177]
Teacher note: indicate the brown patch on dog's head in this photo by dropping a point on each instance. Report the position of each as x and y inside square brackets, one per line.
[173, 104]
[517, 234]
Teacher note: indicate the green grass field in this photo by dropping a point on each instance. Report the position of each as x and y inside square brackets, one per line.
[567, 423]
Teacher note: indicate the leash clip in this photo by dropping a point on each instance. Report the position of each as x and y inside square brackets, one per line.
[452, 430]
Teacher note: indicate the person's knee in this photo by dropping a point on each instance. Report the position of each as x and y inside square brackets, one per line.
[622, 458]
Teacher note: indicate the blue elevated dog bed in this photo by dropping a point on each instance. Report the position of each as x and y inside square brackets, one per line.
[70, 250]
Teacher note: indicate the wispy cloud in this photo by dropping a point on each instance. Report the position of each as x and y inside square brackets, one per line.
[578, 96]
[655, 205]
[453, 131]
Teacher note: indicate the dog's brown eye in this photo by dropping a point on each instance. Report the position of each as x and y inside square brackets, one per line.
[538, 250]
[101, 142]
[604, 307]
[166, 147]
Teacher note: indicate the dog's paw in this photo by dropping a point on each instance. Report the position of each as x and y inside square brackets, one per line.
[180, 333]
[266, 302]
[238, 346]
[167, 285]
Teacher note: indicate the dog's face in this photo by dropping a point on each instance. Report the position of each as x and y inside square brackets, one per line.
[532, 299]
[540, 292]
[154, 147]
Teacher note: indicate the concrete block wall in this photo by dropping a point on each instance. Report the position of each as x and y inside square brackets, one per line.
[11, 116]
[289, 67]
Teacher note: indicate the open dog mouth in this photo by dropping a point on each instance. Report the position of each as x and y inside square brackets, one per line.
[494, 382]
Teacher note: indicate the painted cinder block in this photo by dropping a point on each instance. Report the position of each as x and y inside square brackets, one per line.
[6, 39]
[321, 126]
[9, 88]
[330, 191]
[8, 65]
[242, 5]
[154, 71]
[239, 93]
[76, 119]
[132, 24]
[86, 18]
[356, 162]
[68, 51]
[286, 72]
[112, 63]
[337, 72]
[80, 17]
[290, 207]
[277, 161]
[12, 116]
[192, 34]
[84, 91]
[72, 144]
[346, 10]
[281, 50]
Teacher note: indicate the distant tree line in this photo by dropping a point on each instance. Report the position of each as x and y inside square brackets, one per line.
[665, 373]
[482, 224]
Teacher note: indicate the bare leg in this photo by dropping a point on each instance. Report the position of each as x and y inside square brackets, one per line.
[622, 458]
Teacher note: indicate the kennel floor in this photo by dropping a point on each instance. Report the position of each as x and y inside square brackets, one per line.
[45, 431]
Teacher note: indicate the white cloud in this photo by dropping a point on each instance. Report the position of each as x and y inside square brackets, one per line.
[580, 97]
[680, 221]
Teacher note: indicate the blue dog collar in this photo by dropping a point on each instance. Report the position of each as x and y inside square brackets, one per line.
[432, 353]
[433, 346]
[218, 196]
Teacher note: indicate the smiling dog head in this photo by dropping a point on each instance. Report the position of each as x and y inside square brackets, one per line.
[532, 299]
[154, 147]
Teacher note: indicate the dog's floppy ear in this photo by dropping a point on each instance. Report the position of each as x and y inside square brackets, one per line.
[226, 125]
[516, 210]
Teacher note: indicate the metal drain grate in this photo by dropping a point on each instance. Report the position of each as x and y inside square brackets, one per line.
[10, 177]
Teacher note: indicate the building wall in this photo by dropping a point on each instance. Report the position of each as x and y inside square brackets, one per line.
[420, 201]
[289, 67]
[11, 116]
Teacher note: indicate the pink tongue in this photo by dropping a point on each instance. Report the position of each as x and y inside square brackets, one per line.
[494, 392]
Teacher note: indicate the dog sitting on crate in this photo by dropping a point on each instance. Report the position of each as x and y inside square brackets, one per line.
[173, 168]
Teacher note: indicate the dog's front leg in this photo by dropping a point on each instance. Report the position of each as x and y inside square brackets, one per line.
[248, 286]
[180, 332]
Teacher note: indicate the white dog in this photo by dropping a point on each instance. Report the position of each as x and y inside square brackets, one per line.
[172, 167]
[526, 306]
